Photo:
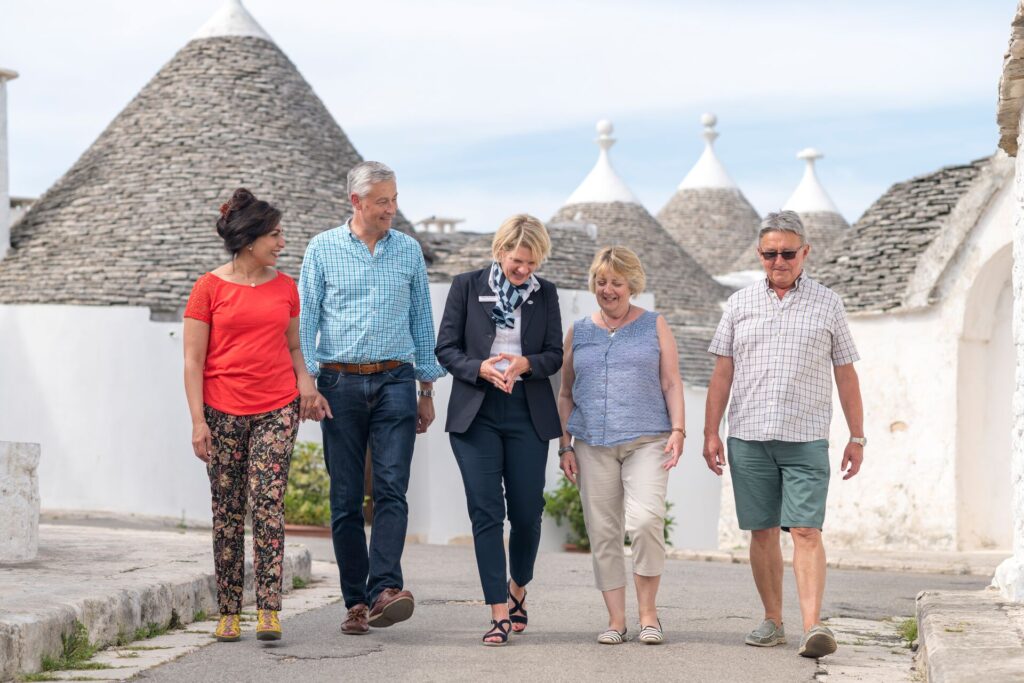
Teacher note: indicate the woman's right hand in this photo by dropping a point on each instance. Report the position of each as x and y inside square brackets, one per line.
[568, 465]
[202, 441]
[492, 375]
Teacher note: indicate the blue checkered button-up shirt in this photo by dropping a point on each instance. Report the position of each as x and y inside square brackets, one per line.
[366, 307]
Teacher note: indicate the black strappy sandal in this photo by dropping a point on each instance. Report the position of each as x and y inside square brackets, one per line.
[498, 630]
[517, 613]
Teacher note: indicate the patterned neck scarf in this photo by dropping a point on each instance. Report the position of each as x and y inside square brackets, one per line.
[510, 297]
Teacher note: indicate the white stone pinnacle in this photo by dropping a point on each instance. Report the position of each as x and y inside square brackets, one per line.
[810, 196]
[602, 185]
[231, 20]
[708, 171]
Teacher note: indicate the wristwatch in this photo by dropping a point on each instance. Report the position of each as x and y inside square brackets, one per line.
[425, 393]
[566, 449]
[860, 440]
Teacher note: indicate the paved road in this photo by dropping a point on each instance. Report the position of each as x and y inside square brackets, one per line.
[706, 608]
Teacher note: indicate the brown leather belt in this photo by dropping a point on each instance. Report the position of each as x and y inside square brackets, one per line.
[362, 368]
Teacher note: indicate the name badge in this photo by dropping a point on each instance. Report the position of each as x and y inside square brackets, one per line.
[493, 297]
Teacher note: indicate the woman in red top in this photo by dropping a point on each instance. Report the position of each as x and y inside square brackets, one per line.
[247, 390]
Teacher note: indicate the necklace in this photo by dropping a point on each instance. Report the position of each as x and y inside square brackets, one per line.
[251, 280]
[613, 330]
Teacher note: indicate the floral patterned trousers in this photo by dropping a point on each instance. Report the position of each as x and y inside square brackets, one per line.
[249, 464]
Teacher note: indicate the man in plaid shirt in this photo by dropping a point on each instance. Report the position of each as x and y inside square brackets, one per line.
[778, 345]
[367, 335]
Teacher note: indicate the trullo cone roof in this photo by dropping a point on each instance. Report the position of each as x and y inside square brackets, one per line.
[132, 222]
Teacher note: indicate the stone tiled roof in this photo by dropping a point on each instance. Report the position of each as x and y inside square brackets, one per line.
[684, 292]
[823, 229]
[572, 249]
[132, 222]
[893, 256]
[456, 252]
[713, 224]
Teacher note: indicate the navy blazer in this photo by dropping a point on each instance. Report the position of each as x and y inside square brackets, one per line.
[464, 341]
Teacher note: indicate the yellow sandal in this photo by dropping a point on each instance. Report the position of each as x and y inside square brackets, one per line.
[229, 628]
[268, 626]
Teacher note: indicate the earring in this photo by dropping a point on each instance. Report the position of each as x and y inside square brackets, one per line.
[250, 247]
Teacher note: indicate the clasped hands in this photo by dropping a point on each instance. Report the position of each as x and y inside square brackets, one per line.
[312, 404]
[517, 366]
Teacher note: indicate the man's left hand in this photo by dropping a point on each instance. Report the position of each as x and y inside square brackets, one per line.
[424, 413]
[853, 456]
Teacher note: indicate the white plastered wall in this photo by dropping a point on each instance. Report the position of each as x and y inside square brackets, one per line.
[906, 495]
[100, 388]
[1009, 576]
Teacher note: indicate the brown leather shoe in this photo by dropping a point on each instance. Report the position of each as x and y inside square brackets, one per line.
[390, 607]
[355, 623]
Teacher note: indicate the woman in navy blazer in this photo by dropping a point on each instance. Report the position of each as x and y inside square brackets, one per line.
[501, 339]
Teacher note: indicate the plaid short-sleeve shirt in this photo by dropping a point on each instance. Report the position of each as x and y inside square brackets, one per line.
[783, 352]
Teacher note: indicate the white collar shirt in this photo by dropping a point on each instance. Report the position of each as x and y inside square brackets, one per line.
[783, 353]
[509, 339]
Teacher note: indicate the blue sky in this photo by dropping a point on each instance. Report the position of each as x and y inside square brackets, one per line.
[488, 108]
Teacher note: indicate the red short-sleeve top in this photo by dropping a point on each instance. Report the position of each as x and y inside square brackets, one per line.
[248, 367]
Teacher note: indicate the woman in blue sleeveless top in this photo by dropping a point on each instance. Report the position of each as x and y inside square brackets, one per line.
[621, 406]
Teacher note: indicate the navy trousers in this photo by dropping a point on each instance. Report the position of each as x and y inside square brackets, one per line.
[502, 462]
[378, 411]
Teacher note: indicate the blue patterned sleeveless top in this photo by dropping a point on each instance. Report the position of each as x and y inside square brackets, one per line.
[617, 390]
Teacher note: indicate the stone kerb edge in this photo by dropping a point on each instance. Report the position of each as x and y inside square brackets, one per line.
[26, 638]
[967, 636]
[19, 490]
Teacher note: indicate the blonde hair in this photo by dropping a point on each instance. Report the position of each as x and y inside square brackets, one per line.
[624, 262]
[522, 230]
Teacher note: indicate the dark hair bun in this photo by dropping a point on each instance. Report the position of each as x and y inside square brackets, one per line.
[244, 219]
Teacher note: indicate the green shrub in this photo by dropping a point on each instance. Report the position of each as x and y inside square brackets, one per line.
[563, 504]
[76, 651]
[307, 498]
[908, 630]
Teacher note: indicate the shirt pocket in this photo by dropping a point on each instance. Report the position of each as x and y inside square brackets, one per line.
[395, 293]
[814, 340]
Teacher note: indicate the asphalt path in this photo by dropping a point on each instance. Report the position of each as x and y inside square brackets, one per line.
[706, 609]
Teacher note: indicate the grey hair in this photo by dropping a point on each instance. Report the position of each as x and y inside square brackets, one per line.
[782, 221]
[365, 174]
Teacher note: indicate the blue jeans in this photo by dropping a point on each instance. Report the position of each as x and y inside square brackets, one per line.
[378, 411]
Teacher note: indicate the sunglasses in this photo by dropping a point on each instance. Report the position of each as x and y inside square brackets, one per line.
[788, 254]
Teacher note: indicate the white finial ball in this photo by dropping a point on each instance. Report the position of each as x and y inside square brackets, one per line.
[708, 120]
[604, 127]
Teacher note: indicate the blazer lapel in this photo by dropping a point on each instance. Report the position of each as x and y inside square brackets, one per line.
[528, 308]
[484, 289]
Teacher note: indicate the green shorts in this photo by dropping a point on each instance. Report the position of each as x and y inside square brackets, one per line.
[779, 483]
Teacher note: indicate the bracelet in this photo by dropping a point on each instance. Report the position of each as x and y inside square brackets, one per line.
[425, 393]
[566, 449]
[680, 429]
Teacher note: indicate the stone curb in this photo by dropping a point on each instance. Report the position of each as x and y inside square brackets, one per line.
[970, 636]
[869, 561]
[26, 637]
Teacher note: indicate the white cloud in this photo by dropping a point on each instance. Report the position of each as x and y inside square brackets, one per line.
[446, 74]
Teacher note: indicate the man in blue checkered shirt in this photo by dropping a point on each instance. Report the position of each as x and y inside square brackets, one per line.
[367, 335]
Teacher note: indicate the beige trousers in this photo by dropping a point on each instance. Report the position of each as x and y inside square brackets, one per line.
[623, 492]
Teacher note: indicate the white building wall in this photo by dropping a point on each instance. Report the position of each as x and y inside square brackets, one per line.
[101, 389]
[906, 495]
[1009, 576]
